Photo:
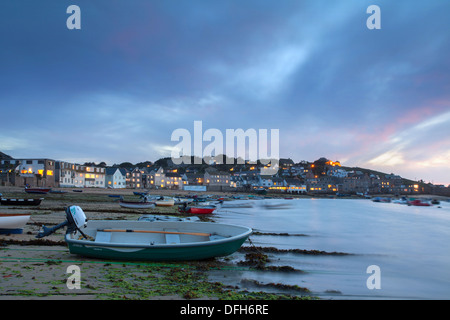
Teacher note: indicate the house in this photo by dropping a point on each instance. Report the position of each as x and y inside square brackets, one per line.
[322, 183]
[265, 181]
[356, 182]
[153, 178]
[89, 176]
[337, 172]
[115, 178]
[192, 178]
[278, 184]
[286, 163]
[295, 185]
[173, 180]
[65, 174]
[216, 180]
[134, 179]
[236, 181]
[32, 172]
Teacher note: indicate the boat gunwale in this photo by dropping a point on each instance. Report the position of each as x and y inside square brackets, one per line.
[248, 231]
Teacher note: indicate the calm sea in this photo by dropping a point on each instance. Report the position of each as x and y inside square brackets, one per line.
[410, 246]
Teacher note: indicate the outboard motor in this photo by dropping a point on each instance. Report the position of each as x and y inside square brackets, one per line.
[76, 219]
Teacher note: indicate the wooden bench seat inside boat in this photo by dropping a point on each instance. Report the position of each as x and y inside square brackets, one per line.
[172, 238]
[103, 236]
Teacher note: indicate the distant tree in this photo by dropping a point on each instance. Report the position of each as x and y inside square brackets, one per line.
[163, 162]
[144, 164]
[318, 167]
[126, 165]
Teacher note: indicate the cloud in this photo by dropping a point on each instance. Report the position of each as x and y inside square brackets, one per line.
[134, 73]
[424, 145]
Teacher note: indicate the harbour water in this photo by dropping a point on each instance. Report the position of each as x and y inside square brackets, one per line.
[409, 244]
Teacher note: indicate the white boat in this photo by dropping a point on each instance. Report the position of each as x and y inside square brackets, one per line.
[235, 204]
[13, 222]
[183, 200]
[276, 205]
[166, 202]
[403, 200]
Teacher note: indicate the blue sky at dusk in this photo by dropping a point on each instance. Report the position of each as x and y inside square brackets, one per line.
[115, 90]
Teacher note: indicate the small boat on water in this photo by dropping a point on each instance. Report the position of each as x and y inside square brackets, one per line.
[419, 203]
[136, 204]
[381, 199]
[165, 202]
[275, 205]
[182, 200]
[142, 194]
[197, 210]
[38, 190]
[145, 240]
[20, 202]
[403, 200]
[13, 222]
[235, 204]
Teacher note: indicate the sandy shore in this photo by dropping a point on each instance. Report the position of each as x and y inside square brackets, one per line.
[38, 268]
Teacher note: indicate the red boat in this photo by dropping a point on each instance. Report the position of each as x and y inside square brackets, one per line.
[197, 210]
[419, 203]
[37, 190]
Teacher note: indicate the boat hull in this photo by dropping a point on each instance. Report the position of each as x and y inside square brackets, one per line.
[37, 190]
[197, 210]
[165, 203]
[419, 203]
[13, 223]
[136, 205]
[192, 249]
[20, 202]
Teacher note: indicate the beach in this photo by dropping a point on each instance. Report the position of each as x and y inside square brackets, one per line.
[301, 248]
[38, 268]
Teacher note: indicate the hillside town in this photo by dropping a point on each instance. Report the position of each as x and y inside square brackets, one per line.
[322, 176]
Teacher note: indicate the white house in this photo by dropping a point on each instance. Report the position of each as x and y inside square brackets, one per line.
[89, 176]
[65, 173]
[295, 186]
[115, 178]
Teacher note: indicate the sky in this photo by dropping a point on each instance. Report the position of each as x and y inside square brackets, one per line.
[116, 89]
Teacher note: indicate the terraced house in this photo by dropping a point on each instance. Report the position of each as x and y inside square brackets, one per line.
[32, 172]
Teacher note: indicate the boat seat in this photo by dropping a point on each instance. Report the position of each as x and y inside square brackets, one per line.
[103, 236]
[172, 238]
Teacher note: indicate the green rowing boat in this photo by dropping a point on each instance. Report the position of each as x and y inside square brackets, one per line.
[150, 240]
